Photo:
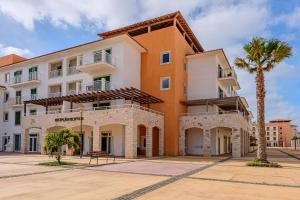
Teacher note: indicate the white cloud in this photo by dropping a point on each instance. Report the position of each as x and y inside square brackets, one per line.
[107, 13]
[6, 50]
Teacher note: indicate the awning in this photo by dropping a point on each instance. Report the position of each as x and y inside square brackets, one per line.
[226, 103]
[133, 94]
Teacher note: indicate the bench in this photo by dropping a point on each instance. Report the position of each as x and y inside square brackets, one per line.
[98, 154]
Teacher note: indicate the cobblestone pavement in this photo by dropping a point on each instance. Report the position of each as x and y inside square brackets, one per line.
[163, 178]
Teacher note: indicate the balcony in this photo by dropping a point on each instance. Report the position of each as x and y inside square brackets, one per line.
[19, 80]
[101, 85]
[217, 119]
[54, 94]
[104, 63]
[55, 73]
[72, 70]
[228, 78]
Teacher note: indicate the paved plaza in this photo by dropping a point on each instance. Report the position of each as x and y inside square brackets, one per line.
[165, 178]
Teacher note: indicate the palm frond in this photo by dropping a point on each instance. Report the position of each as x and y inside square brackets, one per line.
[243, 64]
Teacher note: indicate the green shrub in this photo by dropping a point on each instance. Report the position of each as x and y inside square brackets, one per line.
[56, 163]
[262, 163]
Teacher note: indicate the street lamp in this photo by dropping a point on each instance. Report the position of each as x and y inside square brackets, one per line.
[81, 134]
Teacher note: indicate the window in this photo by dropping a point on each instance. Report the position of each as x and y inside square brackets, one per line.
[97, 56]
[6, 78]
[268, 138]
[32, 112]
[274, 138]
[274, 128]
[165, 57]
[5, 116]
[165, 83]
[185, 67]
[18, 118]
[6, 97]
[33, 94]
[18, 76]
[268, 128]
[33, 73]
[19, 97]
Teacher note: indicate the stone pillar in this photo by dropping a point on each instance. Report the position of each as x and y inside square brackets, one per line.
[42, 140]
[149, 133]
[236, 143]
[24, 139]
[182, 141]
[161, 141]
[130, 141]
[206, 142]
[96, 138]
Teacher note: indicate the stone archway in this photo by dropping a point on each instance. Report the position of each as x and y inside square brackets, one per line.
[32, 140]
[142, 142]
[221, 140]
[194, 141]
[156, 137]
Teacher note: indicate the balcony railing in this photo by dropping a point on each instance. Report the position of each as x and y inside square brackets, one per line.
[71, 92]
[227, 74]
[72, 70]
[33, 76]
[120, 106]
[55, 73]
[101, 85]
[18, 100]
[104, 57]
[54, 94]
[221, 113]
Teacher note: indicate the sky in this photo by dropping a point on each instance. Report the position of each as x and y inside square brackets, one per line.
[34, 27]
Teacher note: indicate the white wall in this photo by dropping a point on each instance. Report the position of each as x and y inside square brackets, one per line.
[126, 74]
[202, 77]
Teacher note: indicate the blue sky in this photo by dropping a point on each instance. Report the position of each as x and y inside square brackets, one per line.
[32, 28]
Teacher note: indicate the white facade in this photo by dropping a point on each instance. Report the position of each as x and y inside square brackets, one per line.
[57, 75]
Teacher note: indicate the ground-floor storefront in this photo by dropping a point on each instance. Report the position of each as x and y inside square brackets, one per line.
[127, 130]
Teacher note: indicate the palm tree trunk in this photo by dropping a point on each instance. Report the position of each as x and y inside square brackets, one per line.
[260, 99]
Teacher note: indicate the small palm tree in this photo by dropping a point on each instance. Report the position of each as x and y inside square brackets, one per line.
[261, 56]
[55, 140]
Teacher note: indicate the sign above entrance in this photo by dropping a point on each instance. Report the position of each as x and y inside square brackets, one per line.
[65, 119]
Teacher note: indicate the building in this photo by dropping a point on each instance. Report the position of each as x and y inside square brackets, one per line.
[144, 89]
[278, 132]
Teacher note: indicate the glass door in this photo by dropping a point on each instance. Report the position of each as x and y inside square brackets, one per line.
[33, 142]
[106, 142]
[17, 142]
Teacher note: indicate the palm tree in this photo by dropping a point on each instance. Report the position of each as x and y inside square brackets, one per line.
[261, 56]
[55, 140]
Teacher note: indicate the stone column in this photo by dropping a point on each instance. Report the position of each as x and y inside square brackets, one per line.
[149, 133]
[161, 141]
[24, 139]
[96, 138]
[236, 143]
[206, 142]
[42, 140]
[182, 141]
[130, 141]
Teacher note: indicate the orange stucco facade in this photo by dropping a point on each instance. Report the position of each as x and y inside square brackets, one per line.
[167, 39]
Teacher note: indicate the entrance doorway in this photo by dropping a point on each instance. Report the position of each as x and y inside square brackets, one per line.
[106, 142]
[33, 142]
[5, 141]
[17, 142]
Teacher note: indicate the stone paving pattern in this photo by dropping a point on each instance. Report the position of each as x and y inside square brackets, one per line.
[165, 178]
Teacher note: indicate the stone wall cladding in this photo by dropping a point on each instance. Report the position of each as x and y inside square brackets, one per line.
[129, 117]
[235, 121]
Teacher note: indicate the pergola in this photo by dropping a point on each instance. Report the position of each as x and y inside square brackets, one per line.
[132, 94]
[226, 103]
